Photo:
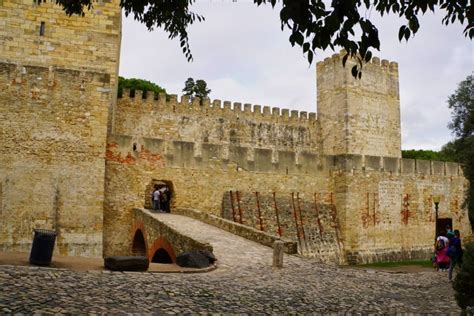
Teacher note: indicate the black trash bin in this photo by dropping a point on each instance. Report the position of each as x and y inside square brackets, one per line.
[43, 246]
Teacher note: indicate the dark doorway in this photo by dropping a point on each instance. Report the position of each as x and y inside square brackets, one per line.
[161, 256]
[160, 184]
[441, 225]
[139, 246]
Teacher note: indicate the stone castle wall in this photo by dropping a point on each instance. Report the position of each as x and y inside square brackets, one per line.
[366, 222]
[56, 88]
[386, 206]
[309, 220]
[216, 123]
[198, 178]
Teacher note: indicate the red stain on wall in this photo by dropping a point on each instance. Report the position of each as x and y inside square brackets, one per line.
[113, 154]
[405, 213]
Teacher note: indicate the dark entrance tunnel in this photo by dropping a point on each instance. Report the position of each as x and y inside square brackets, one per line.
[168, 204]
[139, 245]
[161, 256]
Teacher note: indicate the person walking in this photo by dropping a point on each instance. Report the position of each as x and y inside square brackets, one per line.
[441, 254]
[454, 252]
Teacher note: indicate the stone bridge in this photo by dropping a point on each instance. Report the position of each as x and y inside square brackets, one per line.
[163, 236]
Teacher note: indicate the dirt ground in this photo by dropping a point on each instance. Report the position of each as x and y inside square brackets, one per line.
[87, 264]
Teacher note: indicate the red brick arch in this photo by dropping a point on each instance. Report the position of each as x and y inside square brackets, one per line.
[162, 243]
[138, 227]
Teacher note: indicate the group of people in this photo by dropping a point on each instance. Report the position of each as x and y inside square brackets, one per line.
[448, 251]
[160, 199]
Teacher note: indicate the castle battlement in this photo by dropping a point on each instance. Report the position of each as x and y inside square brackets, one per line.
[375, 64]
[138, 101]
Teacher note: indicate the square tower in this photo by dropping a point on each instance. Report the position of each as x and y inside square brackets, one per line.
[359, 116]
[58, 78]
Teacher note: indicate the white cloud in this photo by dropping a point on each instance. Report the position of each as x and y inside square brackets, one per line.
[244, 57]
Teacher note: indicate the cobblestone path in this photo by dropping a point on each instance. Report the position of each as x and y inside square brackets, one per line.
[244, 283]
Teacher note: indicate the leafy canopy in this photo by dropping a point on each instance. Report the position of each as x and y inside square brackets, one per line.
[313, 24]
[196, 88]
[444, 155]
[462, 124]
[138, 84]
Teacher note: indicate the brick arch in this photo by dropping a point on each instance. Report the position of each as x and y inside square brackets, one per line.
[138, 228]
[162, 243]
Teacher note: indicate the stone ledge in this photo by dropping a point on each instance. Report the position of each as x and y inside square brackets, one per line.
[237, 229]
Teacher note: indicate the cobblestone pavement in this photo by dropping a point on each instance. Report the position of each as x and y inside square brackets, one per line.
[245, 282]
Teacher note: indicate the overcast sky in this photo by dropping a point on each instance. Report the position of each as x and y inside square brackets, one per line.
[243, 55]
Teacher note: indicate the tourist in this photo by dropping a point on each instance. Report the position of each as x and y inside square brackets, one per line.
[454, 251]
[156, 199]
[441, 253]
[165, 199]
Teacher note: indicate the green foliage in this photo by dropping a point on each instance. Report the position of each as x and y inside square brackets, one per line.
[446, 154]
[462, 104]
[138, 84]
[313, 24]
[462, 125]
[420, 154]
[196, 88]
[464, 281]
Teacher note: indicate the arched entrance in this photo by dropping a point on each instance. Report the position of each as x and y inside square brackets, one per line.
[160, 184]
[139, 244]
[162, 251]
[161, 256]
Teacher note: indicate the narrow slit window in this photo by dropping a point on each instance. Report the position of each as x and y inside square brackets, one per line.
[42, 28]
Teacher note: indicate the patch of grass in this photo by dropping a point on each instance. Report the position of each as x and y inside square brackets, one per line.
[420, 263]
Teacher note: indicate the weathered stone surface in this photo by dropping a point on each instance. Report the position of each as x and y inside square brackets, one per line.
[126, 263]
[56, 89]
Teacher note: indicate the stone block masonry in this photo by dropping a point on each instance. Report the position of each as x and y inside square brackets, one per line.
[359, 116]
[52, 156]
[58, 79]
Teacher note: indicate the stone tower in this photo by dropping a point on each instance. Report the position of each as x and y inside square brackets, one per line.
[58, 78]
[360, 117]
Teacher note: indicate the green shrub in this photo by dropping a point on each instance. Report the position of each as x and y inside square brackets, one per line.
[464, 281]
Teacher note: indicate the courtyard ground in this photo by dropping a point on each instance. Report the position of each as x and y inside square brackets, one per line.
[243, 283]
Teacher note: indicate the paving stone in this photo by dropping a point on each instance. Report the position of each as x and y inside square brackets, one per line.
[243, 283]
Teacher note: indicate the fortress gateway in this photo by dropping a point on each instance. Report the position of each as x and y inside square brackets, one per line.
[75, 158]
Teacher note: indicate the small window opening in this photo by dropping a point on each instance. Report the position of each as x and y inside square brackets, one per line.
[42, 28]
[134, 146]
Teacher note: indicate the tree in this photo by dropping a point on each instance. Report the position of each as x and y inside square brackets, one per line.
[462, 125]
[138, 84]
[313, 25]
[421, 154]
[464, 281]
[196, 89]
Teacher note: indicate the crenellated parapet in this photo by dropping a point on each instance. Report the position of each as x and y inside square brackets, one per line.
[149, 102]
[217, 122]
[375, 65]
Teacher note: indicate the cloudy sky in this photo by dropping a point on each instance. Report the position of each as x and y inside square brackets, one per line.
[243, 55]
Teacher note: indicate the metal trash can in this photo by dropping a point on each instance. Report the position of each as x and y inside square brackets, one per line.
[43, 246]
